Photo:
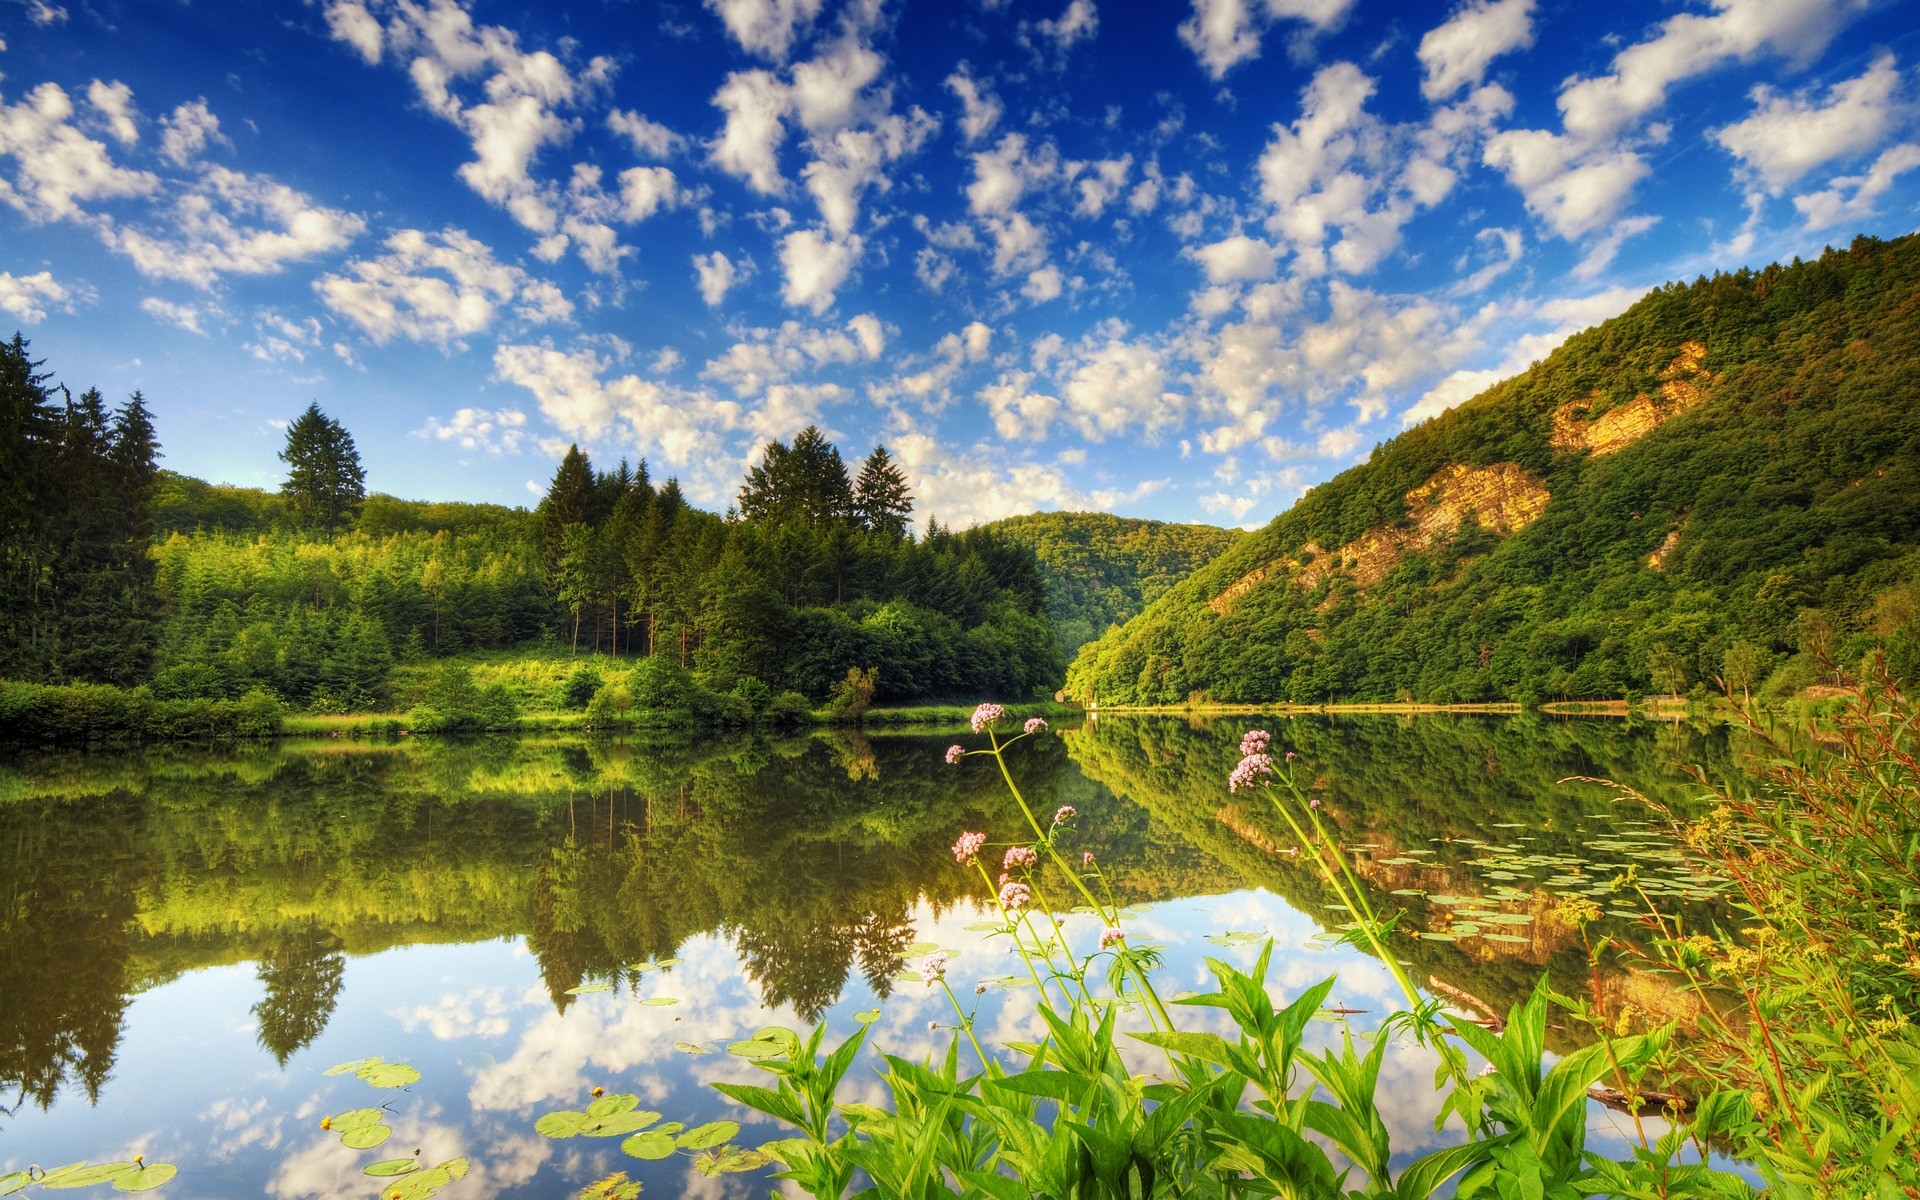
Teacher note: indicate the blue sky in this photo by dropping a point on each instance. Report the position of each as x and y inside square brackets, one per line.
[1175, 260]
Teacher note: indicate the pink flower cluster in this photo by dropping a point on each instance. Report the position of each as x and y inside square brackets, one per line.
[954, 754]
[1086, 858]
[1110, 938]
[1036, 724]
[1019, 856]
[933, 968]
[1014, 896]
[1249, 772]
[1254, 741]
[1065, 813]
[986, 715]
[968, 847]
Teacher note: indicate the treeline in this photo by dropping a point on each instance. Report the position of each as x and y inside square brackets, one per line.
[76, 520]
[1765, 533]
[813, 575]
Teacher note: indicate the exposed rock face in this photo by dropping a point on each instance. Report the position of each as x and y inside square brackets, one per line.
[1502, 497]
[1658, 559]
[1683, 386]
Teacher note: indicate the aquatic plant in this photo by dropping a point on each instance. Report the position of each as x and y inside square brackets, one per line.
[1251, 1114]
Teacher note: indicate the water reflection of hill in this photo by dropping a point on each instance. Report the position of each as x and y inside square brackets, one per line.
[1432, 786]
[120, 872]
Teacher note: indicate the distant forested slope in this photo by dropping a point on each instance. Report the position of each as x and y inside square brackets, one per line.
[1101, 570]
[1723, 481]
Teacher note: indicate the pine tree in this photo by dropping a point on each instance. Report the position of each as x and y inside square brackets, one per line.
[880, 497]
[325, 482]
[569, 501]
[29, 425]
[807, 481]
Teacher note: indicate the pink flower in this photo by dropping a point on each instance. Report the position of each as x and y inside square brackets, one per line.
[1015, 896]
[1086, 858]
[1036, 724]
[1110, 938]
[933, 967]
[1314, 803]
[1004, 877]
[968, 847]
[933, 1026]
[1251, 768]
[1019, 856]
[986, 715]
[954, 753]
[1254, 741]
[1487, 1070]
[980, 989]
[1289, 756]
[1064, 814]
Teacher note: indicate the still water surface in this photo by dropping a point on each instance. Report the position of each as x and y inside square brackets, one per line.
[190, 939]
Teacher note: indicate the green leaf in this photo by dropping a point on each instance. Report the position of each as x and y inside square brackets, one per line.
[621, 1124]
[562, 1124]
[705, 1137]
[390, 1167]
[868, 1017]
[691, 1048]
[648, 1146]
[356, 1066]
[355, 1118]
[13, 1181]
[145, 1178]
[389, 1075]
[84, 1175]
[660, 1001]
[613, 1105]
[587, 989]
[366, 1137]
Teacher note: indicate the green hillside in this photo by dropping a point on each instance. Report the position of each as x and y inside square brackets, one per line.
[1723, 481]
[1101, 570]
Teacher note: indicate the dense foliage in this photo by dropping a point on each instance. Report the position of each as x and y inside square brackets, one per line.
[1756, 535]
[1101, 570]
[76, 488]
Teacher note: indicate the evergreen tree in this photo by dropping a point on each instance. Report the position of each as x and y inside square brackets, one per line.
[880, 497]
[325, 482]
[807, 482]
[29, 425]
[569, 501]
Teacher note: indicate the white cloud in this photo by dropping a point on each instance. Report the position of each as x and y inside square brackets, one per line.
[765, 27]
[25, 297]
[57, 167]
[1833, 205]
[232, 223]
[43, 13]
[1237, 259]
[1600, 255]
[501, 431]
[1690, 44]
[1019, 413]
[1003, 174]
[1501, 248]
[350, 22]
[438, 288]
[1043, 285]
[647, 137]
[1788, 136]
[980, 109]
[187, 131]
[749, 144]
[1573, 189]
[716, 273]
[1117, 385]
[816, 264]
[646, 190]
[1457, 54]
[282, 339]
[1225, 33]
[1557, 319]
[114, 103]
[1080, 22]
[850, 161]
[764, 358]
[181, 316]
[1098, 183]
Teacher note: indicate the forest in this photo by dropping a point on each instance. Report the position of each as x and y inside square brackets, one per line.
[144, 603]
[1720, 485]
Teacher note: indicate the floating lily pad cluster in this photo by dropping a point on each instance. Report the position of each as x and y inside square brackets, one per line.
[132, 1175]
[638, 969]
[366, 1128]
[1654, 870]
[620, 1115]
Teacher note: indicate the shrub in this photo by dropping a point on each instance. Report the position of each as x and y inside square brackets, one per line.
[852, 696]
[788, 710]
[580, 689]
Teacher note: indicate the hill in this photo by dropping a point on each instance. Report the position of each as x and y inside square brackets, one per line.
[1723, 481]
[1100, 570]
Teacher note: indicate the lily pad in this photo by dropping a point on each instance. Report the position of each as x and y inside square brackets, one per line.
[918, 949]
[1409, 891]
[366, 1137]
[354, 1118]
[145, 1178]
[356, 1066]
[706, 1137]
[85, 1174]
[731, 1161]
[1435, 937]
[691, 1048]
[1510, 938]
[649, 1146]
[613, 1105]
[562, 1124]
[867, 1017]
[587, 989]
[755, 1049]
[988, 926]
[660, 1001]
[425, 1183]
[1237, 937]
[387, 1168]
[390, 1075]
[620, 1125]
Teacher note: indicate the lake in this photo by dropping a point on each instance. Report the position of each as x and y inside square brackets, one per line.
[190, 939]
